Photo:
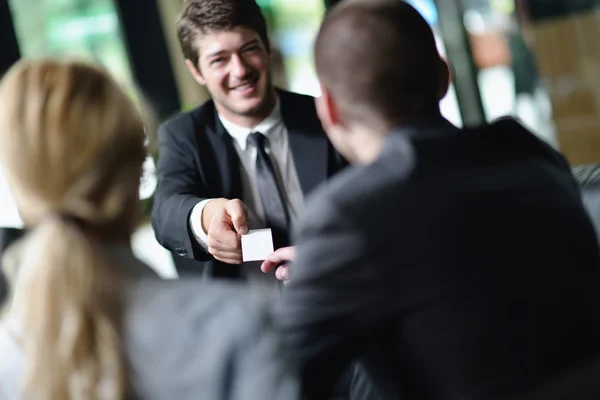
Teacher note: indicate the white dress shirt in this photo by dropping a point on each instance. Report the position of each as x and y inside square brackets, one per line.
[278, 147]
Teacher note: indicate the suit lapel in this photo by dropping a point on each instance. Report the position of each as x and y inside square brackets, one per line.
[227, 180]
[308, 144]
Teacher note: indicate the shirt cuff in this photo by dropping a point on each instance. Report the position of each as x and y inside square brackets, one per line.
[195, 222]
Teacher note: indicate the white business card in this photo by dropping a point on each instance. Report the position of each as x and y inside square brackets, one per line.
[257, 244]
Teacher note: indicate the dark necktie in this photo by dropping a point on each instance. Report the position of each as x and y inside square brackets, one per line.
[272, 198]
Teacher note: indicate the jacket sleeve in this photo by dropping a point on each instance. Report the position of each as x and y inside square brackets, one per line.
[180, 188]
[326, 309]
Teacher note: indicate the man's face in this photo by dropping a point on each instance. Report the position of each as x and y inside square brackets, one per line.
[234, 66]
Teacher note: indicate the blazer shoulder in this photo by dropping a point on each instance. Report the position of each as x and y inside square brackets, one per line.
[190, 118]
[287, 95]
[210, 326]
[518, 138]
[295, 101]
[178, 303]
[370, 186]
[300, 113]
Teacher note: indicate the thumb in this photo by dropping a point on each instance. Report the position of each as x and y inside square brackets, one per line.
[237, 213]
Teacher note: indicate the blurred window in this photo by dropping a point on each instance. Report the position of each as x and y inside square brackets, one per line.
[539, 60]
[85, 29]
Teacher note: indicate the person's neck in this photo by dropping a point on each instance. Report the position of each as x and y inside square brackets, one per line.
[250, 121]
[371, 139]
[368, 144]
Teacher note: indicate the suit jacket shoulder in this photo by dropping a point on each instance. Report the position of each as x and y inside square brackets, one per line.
[294, 95]
[218, 342]
[357, 188]
[188, 121]
[297, 98]
[299, 111]
[520, 138]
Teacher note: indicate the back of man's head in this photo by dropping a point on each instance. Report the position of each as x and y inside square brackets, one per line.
[379, 60]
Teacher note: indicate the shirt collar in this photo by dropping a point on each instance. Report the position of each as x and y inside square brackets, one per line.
[266, 127]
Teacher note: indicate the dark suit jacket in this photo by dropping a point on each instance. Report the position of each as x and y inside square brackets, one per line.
[197, 160]
[578, 384]
[588, 177]
[459, 265]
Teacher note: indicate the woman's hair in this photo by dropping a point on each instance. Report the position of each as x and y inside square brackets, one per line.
[72, 148]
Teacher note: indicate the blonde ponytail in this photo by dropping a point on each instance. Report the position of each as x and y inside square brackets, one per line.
[72, 145]
[71, 311]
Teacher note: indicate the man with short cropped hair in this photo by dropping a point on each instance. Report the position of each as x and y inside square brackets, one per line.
[454, 263]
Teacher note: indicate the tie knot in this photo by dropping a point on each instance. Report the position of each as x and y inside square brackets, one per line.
[258, 139]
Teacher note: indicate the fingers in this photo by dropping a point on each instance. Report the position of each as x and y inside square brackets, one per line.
[278, 257]
[222, 237]
[236, 211]
[282, 273]
[224, 245]
[267, 266]
[283, 254]
[225, 256]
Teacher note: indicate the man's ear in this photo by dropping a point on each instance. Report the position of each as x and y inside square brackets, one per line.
[327, 109]
[445, 79]
[195, 72]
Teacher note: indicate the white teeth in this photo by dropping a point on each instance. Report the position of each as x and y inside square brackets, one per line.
[244, 87]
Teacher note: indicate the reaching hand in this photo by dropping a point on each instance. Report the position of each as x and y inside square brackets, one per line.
[278, 260]
[228, 221]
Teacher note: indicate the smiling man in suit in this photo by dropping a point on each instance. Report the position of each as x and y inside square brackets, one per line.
[243, 160]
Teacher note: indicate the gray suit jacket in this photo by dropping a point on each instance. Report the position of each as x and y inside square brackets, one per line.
[460, 264]
[189, 340]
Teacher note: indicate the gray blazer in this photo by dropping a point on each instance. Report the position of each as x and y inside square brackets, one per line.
[188, 340]
[459, 264]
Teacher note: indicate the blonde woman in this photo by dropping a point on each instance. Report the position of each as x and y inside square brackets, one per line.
[85, 319]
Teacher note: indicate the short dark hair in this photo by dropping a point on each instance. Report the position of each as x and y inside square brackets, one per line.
[379, 59]
[202, 16]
